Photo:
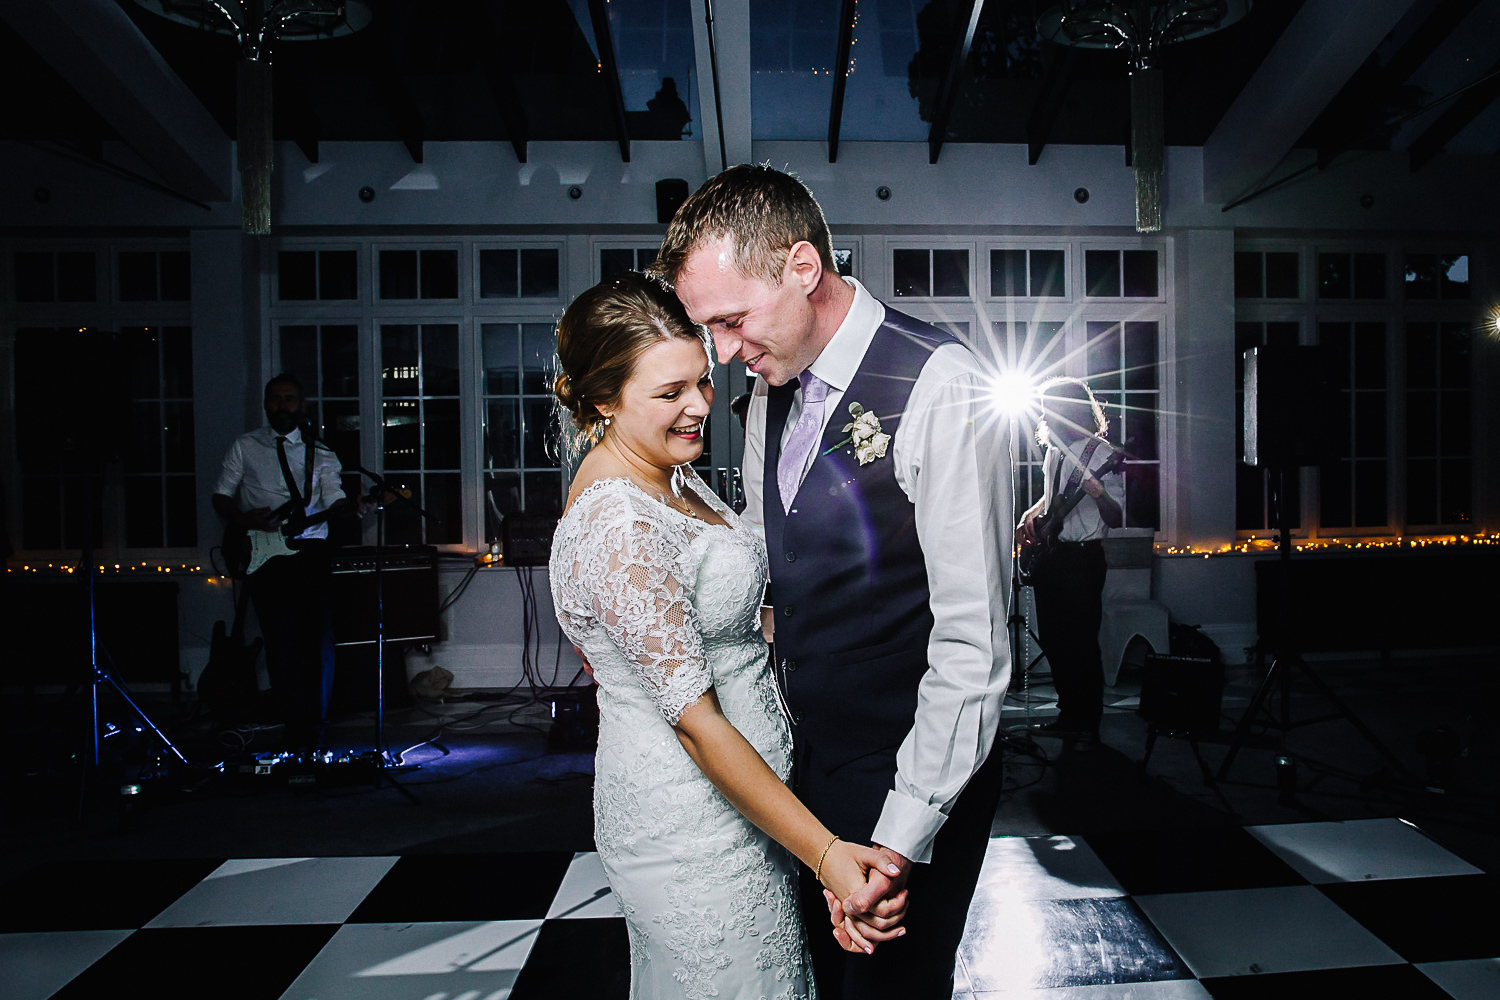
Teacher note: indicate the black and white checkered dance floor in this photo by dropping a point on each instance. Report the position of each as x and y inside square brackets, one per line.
[1370, 908]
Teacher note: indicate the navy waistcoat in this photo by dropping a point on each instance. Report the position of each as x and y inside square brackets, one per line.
[847, 572]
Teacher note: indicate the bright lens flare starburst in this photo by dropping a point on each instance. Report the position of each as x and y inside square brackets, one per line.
[1015, 392]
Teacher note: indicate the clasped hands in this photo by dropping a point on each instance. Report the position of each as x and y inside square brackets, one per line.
[865, 889]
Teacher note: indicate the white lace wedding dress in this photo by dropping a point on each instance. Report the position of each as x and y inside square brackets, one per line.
[666, 606]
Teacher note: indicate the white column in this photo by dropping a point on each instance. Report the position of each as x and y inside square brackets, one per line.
[1203, 366]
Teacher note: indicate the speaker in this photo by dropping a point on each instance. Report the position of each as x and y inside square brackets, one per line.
[671, 192]
[526, 539]
[1291, 407]
[409, 591]
[1182, 694]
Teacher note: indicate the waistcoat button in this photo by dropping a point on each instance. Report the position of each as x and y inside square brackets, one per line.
[791, 556]
[787, 611]
[788, 665]
[796, 718]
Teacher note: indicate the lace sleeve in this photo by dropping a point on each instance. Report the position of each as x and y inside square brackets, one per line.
[644, 602]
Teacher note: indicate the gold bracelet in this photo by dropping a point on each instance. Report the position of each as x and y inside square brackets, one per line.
[818, 869]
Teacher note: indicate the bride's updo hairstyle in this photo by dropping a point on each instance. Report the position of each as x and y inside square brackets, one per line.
[600, 336]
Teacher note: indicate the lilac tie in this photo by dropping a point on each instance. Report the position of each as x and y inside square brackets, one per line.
[805, 434]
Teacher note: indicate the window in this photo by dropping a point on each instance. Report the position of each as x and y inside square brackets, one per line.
[1439, 419]
[1353, 491]
[941, 273]
[68, 276]
[151, 276]
[326, 360]
[1122, 359]
[1351, 275]
[1121, 273]
[618, 260]
[1268, 275]
[160, 491]
[530, 273]
[420, 431]
[1255, 489]
[304, 275]
[1028, 274]
[413, 274]
[1437, 276]
[522, 470]
[843, 259]
[117, 409]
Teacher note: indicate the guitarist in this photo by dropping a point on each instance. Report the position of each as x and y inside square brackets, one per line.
[1068, 576]
[273, 477]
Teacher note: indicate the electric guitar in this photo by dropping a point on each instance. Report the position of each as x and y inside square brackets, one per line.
[1033, 554]
[268, 545]
[227, 685]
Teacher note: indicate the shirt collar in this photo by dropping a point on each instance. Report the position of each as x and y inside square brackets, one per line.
[294, 436]
[841, 357]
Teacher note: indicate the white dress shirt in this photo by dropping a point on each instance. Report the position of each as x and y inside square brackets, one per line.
[252, 475]
[952, 459]
[1083, 523]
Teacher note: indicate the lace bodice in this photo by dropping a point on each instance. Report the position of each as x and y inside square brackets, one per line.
[657, 585]
[666, 606]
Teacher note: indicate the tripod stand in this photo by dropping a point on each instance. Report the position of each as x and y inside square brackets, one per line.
[99, 675]
[1288, 662]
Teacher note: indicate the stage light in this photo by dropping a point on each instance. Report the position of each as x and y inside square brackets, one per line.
[1014, 392]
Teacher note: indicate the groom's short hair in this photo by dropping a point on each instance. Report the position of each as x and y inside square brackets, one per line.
[763, 211]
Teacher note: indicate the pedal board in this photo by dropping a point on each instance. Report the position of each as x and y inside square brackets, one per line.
[325, 768]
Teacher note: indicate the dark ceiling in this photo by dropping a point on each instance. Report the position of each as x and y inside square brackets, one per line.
[527, 71]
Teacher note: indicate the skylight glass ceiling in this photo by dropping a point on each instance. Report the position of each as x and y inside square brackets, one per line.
[793, 44]
[888, 82]
[653, 42]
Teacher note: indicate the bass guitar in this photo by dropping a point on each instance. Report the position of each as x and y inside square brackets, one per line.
[227, 685]
[1033, 554]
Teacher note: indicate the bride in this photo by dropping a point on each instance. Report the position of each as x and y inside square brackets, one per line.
[657, 583]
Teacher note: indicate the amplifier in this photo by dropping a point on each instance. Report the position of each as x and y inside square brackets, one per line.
[1183, 694]
[526, 539]
[361, 558]
[409, 587]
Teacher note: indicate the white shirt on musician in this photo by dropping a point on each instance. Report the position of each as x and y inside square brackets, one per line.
[252, 475]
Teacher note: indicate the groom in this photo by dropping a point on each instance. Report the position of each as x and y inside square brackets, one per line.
[878, 470]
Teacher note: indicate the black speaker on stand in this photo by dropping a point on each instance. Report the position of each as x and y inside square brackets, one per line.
[1292, 402]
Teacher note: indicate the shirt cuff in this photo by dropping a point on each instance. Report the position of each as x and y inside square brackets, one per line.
[908, 827]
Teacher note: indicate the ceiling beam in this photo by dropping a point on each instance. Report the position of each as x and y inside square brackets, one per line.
[95, 46]
[1344, 123]
[963, 40]
[1322, 47]
[385, 72]
[840, 77]
[732, 48]
[1049, 100]
[1468, 106]
[599, 17]
[705, 55]
[295, 112]
[503, 90]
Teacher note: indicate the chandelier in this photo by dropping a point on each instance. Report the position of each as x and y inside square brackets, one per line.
[1141, 29]
[257, 26]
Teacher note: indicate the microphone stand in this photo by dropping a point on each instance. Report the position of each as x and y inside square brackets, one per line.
[384, 493]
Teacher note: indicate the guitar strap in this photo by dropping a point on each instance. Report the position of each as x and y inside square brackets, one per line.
[1077, 476]
[301, 499]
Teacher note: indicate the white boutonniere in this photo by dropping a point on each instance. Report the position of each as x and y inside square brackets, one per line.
[869, 441]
